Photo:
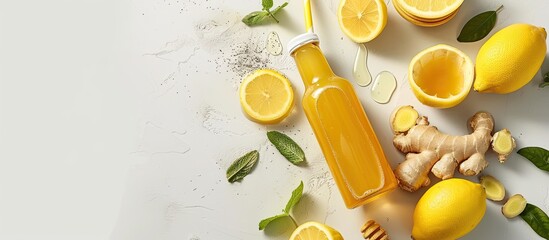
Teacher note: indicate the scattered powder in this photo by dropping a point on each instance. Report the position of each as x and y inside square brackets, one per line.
[193, 237]
[245, 59]
[237, 49]
[218, 122]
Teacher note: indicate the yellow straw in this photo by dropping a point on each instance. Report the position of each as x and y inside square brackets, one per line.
[308, 16]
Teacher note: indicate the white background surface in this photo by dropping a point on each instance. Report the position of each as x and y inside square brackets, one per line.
[118, 120]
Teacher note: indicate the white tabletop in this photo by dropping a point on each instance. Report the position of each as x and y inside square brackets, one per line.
[118, 120]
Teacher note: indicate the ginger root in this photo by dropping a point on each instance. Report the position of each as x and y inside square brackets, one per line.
[428, 149]
[503, 143]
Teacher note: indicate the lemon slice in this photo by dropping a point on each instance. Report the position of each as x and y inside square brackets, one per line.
[441, 76]
[430, 8]
[362, 20]
[266, 96]
[423, 22]
[315, 231]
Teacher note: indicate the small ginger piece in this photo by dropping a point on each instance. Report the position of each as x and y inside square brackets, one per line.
[503, 143]
[428, 149]
[371, 230]
[495, 191]
[403, 118]
[514, 206]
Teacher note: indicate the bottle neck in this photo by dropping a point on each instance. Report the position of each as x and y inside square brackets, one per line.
[312, 64]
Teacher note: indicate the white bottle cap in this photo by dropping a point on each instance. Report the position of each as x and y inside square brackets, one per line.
[301, 40]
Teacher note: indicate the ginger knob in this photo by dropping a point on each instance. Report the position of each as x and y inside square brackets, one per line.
[373, 231]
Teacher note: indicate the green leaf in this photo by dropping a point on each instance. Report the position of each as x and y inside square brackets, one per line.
[537, 219]
[538, 156]
[286, 146]
[267, 4]
[277, 9]
[546, 77]
[242, 166]
[478, 27]
[259, 17]
[263, 224]
[543, 84]
[294, 199]
[255, 18]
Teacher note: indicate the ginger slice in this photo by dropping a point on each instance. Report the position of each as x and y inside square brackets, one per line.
[371, 230]
[503, 143]
[514, 206]
[495, 191]
[403, 118]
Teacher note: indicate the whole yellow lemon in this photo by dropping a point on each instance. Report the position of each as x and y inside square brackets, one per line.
[510, 59]
[449, 210]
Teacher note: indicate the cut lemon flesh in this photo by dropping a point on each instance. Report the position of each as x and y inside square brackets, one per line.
[315, 231]
[430, 9]
[266, 96]
[401, 11]
[441, 76]
[423, 23]
[362, 20]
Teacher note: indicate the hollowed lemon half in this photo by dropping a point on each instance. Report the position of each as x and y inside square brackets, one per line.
[441, 76]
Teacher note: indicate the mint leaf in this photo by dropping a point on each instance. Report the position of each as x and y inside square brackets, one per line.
[267, 4]
[479, 26]
[263, 224]
[538, 156]
[294, 199]
[259, 17]
[286, 146]
[537, 219]
[242, 166]
[255, 18]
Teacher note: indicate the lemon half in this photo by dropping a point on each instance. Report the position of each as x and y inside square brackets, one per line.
[362, 20]
[430, 9]
[315, 231]
[266, 96]
[441, 76]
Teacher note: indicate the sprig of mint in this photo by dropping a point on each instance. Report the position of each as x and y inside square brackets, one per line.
[258, 17]
[294, 199]
[545, 80]
[537, 219]
[242, 166]
[537, 155]
[479, 26]
[286, 146]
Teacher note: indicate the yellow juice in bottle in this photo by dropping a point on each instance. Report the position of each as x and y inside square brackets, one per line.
[348, 142]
